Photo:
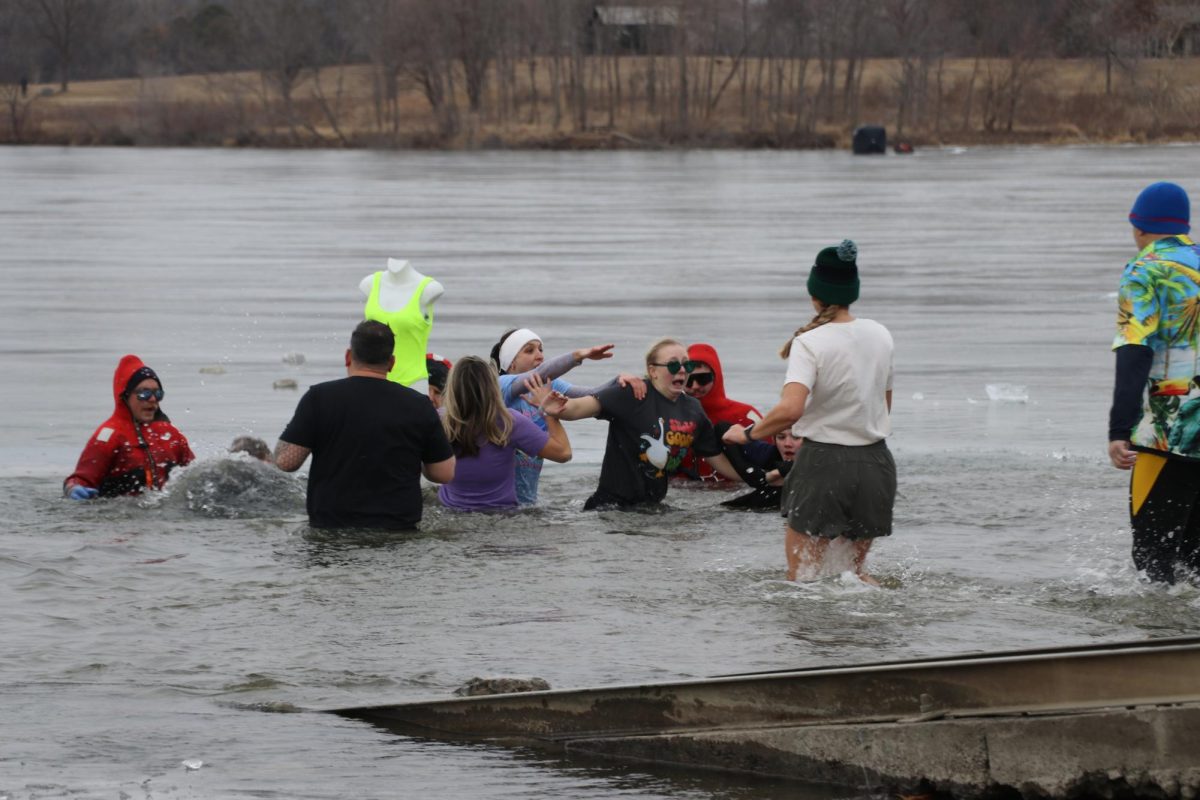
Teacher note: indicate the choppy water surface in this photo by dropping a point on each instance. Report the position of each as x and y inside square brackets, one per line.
[139, 634]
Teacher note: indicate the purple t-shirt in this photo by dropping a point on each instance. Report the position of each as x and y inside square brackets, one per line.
[487, 479]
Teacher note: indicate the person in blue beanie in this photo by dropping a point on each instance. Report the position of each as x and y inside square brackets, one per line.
[1154, 423]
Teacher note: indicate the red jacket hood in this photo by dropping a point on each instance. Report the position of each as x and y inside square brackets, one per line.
[717, 406]
[128, 365]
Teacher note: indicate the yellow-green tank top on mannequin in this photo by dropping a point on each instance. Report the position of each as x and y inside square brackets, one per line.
[411, 329]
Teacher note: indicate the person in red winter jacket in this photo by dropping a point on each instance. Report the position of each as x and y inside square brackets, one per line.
[137, 447]
[706, 383]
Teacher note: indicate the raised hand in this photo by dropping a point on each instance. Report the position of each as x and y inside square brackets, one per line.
[597, 353]
[538, 388]
[554, 404]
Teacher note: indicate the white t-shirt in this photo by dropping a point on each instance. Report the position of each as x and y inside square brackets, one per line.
[847, 367]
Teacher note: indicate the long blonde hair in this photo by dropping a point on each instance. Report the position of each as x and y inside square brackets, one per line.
[826, 314]
[474, 408]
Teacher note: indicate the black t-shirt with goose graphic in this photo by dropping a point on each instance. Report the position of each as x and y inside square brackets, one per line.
[647, 440]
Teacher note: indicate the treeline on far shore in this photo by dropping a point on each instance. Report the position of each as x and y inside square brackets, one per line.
[577, 75]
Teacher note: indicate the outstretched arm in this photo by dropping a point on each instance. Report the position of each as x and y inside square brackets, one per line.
[784, 415]
[558, 446]
[578, 408]
[622, 379]
[550, 369]
[289, 457]
[557, 367]
[721, 464]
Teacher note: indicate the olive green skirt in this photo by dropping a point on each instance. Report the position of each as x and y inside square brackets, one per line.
[838, 490]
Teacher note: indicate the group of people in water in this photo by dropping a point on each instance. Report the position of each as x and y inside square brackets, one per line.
[486, 427]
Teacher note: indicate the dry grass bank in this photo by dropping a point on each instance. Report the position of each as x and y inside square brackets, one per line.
[632, 102]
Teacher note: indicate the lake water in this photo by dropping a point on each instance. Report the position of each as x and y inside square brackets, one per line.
[139, 634]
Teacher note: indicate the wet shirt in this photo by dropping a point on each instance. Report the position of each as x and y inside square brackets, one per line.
[487, 479]
[528, 464]
[1158, 306]
[647, 441]
[369, 438]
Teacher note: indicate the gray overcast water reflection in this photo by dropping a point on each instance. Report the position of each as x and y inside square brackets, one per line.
[140, 634]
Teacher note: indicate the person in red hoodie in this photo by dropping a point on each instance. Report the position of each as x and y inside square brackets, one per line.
[706, 383]
[134, 449]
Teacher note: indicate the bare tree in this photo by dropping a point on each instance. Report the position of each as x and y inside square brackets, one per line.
[474, 25]
[285, 38]
[62, 24]
[16, 60]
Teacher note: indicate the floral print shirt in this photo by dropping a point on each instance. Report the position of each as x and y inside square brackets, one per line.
[1159, 307]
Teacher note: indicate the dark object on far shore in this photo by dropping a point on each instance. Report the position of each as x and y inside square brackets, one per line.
[902, 147]
[870, 139]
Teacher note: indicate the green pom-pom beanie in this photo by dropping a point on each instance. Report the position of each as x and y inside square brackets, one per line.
[834, 277]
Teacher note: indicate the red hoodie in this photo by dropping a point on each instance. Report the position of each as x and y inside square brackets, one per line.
[115, 461]
[717, 407]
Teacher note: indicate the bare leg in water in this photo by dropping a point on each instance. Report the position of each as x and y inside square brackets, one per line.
[806, 556]
[861, 546]
[804, 551]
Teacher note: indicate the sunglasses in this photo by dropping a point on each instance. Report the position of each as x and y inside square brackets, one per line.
[700, 379]
[145, 394]
[674, 366]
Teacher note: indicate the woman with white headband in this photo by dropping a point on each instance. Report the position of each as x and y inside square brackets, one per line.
[518, 356]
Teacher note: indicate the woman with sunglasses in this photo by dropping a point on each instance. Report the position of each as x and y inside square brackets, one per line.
[519, 356]
[838, 396]
[649, 437]
[706, 383]
[137, 447]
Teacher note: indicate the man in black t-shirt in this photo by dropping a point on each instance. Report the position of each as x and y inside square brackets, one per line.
[648, 438]
[371, 440]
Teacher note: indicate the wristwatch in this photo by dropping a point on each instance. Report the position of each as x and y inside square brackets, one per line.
[749, 430]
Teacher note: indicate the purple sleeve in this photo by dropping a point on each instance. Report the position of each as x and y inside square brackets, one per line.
[526, 435]
[549, 370]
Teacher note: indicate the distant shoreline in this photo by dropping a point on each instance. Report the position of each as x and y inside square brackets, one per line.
[340, 108]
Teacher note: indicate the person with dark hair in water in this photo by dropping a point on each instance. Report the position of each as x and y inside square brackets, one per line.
[137, 447]
[253, 447]
[438, 369]
[706, 383]
[518, 356]
[371, 440]
[763, 466]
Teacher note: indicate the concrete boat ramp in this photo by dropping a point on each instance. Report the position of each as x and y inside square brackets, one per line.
[1111, 720]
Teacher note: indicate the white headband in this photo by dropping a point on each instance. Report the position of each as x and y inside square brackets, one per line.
[513, 344]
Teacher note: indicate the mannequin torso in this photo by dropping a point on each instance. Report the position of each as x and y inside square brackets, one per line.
[397, 284]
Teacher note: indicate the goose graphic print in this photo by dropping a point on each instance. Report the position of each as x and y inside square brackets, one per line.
[665, 448]
[647, 442]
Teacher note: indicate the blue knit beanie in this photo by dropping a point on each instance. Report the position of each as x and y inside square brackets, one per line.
[1161, 208]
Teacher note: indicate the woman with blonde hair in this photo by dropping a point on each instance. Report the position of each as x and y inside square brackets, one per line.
[648, 437]
[837, 396]
[485, 437]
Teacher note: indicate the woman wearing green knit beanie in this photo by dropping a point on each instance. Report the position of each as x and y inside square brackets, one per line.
[837, 396]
